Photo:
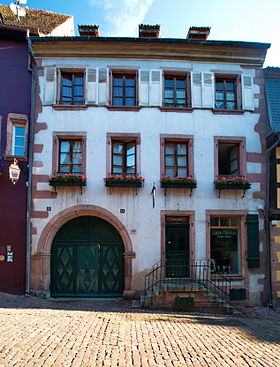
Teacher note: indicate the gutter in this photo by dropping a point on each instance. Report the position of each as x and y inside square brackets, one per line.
[30, 164]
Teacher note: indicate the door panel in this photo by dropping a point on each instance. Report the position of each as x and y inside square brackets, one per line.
[177, 250]
[89, 261]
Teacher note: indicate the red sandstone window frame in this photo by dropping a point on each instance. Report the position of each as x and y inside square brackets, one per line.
[122, 138]
[240, 142]
[124, 74]
[65, 136]
[179, 139]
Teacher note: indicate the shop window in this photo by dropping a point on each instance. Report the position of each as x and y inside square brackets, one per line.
[225, 243]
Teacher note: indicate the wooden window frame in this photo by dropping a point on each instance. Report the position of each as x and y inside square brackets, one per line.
[124, 156]
[226, 78]
[125, 138]
[124, 74]
[241, 142]
[71, 164]
[179, 139]
[71, 72]
[179, 76]
[66, 136]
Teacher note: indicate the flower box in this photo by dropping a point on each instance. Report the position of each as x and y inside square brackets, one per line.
[67, 180]
[178, 182]
[232, 183]
[124, 181]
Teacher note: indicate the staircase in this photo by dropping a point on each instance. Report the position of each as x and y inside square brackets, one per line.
[201, 289]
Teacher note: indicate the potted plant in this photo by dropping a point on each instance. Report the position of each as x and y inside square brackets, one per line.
[67, 179]
[232, 183]
[178, 182]
[123, 181]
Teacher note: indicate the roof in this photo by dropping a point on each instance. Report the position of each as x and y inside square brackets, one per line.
[43, 20]
[272, 90]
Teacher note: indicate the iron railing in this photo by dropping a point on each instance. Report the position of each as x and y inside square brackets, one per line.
[180, 275]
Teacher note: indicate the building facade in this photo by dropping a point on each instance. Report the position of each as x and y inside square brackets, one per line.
[272, 91]
[15, 106]
[186, 116]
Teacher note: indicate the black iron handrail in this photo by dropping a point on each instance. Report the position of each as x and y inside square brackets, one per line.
[172, 274]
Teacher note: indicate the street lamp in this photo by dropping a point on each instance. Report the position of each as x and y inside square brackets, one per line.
[14, 172]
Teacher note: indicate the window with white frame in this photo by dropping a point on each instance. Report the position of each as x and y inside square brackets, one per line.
[19, 137]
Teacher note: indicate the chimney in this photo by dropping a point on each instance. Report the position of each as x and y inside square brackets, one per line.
[89, 30]
[149, 31]
[198, 33]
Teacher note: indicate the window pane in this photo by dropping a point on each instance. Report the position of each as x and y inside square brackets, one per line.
[219, 86]
[19, 131]
[182, 172]
[77, 158]
[169, 93]
[182, 148]
[170, 161]
[235, 221]
[224, 222]
[219, 96]
[64, 158]
[77, 169]
[130, 169]
[78, 91]
[117, 91]
[117, 160]
[67, 80]
[230, 86]
[230, 105]
[180, 93]
[219, 105]
[117, 81]
[169, 83]
[130, 148]
[230, 96]
[130, 101]
[19, 141]
[78, 80]
[19, 151]
[77, 146]
[181, 84]
[182, 161]
[170, 172]
[117, 148]
[169, 101]
[130, 161]
[117, 170]
[65, 146]
[169, 148]
[64, 169]
[117, 102]
[130, 82]
[130, 92]
[214, 221]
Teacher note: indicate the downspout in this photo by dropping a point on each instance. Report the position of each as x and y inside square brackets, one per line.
[32, 68]
[267, 222]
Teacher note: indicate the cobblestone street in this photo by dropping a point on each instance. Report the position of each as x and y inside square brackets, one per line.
[43, 333]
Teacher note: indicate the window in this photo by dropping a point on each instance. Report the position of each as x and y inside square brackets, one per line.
[228, 159]
[124, 91]
[124, 157]
[225, 243]
[72, 88]
[70, 156]
[175, 159]
[176, 91]
[226, 93]
[17, 128]
[19, 140]
[230, 156]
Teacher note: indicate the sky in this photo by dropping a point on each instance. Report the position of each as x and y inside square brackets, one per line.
[239, 20]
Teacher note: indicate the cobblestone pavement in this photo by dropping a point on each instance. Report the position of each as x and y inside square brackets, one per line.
[51, 333]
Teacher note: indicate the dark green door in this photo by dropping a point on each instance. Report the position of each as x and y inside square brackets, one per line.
[87, 259]
[177, 250]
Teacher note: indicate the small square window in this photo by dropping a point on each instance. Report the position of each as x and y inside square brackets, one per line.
[176, 91]
[72, 88]
[124, 89]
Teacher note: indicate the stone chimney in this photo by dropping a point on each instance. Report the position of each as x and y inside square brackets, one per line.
[149, 31]
[198, 33]
[89, 30]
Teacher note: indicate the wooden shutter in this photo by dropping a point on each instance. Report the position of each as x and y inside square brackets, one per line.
[50, 86]
[208, 90]
[253, 243]
[91, 86]
[247, 93]
[196, 85]
[144, 88]
[155, 87]
[102, 86]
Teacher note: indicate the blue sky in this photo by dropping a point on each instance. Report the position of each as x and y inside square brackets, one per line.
[242, 20]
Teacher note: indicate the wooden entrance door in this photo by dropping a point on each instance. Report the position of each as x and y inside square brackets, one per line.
[87, 259]
[177, 250]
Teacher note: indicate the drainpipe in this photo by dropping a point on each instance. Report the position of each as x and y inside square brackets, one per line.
[30, 165]
[267, 222]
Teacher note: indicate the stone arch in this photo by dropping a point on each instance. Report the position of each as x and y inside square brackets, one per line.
[40, 261]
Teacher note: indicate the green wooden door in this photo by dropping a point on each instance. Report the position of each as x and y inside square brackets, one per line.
[177, 250]
[87, 259]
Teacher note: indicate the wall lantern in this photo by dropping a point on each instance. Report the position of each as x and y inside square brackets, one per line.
[14, 172]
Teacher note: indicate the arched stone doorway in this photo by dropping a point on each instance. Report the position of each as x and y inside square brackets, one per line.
[40, 260]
